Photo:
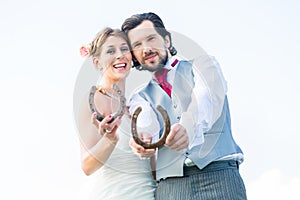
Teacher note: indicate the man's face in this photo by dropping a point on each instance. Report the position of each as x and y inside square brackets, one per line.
[149, 48]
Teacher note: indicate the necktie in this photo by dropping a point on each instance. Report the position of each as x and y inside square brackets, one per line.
[161, 77]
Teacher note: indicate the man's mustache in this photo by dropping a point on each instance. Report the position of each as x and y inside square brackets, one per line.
[149, 54]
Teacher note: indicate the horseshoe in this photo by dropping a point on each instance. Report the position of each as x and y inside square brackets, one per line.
[162, 140]
[120, 96]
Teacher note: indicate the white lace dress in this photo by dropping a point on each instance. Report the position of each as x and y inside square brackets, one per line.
[124, 176]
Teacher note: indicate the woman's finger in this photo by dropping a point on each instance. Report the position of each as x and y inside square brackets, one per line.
[113, 126]
[94, 120]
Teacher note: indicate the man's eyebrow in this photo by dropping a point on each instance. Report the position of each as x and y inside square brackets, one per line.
[151, 35]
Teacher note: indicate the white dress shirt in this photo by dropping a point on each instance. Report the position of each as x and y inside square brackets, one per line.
[200, 107]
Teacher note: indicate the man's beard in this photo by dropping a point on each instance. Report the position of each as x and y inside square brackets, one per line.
[161, 64]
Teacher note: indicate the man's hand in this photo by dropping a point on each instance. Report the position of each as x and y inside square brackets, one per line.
[140, 150]
[177, 138]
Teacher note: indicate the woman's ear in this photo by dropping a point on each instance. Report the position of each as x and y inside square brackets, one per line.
[96, 62]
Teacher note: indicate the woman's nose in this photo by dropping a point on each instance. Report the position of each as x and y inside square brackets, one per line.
[119, 54]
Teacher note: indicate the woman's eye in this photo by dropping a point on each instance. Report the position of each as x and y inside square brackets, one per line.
[124, 49]
[110, 51]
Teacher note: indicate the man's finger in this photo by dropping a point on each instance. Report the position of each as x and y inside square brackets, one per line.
[173, 135]
[180, 144]
[136, 147]
[146, 137]
[170, 137]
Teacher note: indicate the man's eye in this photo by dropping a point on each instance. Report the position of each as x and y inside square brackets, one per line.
[136, 45]
[151, 38]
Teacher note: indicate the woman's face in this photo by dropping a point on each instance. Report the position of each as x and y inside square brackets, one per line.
[115, 58]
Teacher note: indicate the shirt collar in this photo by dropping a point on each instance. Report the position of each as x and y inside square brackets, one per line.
[171, 73]
[170, 61]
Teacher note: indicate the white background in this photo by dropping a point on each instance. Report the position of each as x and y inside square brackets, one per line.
[255, 42]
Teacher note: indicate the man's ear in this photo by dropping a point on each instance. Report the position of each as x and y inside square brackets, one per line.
[167, 41]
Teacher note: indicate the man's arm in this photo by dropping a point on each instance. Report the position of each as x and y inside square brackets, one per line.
[207, 96]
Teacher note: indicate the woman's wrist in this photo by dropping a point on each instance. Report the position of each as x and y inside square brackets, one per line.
[111, 139]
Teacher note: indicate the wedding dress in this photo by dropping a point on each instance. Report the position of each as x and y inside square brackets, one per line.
[124, 176]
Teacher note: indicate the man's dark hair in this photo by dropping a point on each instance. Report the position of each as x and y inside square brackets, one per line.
[135, 20]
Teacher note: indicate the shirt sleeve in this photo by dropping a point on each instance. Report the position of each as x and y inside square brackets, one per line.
[216, 64]
[207, 102]
[147, 120]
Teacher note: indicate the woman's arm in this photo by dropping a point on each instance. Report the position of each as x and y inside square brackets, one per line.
[96, 145]
[94, 158]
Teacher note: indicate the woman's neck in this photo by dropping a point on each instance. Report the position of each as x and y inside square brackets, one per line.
[108, 85]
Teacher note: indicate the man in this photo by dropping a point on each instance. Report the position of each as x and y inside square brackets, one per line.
[200, 158]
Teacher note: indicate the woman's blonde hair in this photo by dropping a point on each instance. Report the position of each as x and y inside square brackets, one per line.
[101, 37]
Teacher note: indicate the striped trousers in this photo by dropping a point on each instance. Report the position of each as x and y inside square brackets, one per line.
[219, 180]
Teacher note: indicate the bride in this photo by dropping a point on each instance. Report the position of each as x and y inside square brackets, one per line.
[116, 172]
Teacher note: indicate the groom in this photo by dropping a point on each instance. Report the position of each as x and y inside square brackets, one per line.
[200, 159]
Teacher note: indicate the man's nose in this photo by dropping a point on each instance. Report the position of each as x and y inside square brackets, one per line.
[146, 48]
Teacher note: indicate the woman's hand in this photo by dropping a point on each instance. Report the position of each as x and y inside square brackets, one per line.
[108, 130]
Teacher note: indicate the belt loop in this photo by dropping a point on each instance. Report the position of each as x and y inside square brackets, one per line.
[237, 164]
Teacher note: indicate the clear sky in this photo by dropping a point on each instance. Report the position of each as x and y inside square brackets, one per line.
[256, 43]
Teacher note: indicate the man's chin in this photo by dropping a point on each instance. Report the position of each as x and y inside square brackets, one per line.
[152, 67]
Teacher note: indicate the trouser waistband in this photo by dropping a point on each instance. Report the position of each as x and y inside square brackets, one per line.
[213, 166]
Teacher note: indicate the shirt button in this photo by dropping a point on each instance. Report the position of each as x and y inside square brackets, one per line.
[175, 106]
[178, 118]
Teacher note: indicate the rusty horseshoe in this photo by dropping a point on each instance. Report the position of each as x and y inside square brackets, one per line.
[120, 97]
[162, 140]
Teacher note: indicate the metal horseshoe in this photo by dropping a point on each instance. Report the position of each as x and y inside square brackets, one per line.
[162, 140]
[120, 97]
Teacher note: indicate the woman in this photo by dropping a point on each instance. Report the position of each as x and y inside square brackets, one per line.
[117, 172]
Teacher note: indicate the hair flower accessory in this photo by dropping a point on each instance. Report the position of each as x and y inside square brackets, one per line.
[85, 50]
